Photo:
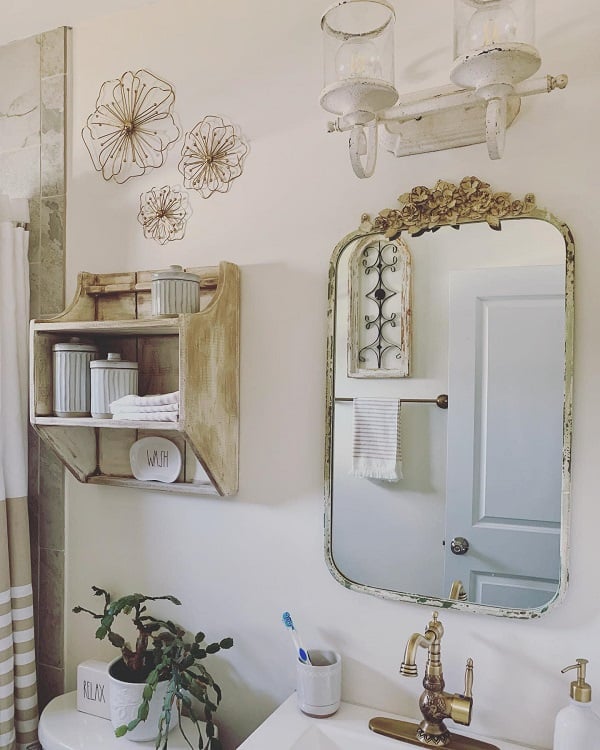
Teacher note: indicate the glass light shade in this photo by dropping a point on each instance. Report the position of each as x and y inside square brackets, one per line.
[358, 42]
[483, 23]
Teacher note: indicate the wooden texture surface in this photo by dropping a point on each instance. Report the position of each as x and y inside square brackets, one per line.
[197, 354]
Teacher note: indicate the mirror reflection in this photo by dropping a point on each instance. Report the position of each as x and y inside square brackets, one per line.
[462, 502]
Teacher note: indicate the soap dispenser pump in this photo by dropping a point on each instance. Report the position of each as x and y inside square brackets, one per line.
[577, 725]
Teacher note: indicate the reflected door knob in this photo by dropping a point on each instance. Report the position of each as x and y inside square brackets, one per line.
[459, 545]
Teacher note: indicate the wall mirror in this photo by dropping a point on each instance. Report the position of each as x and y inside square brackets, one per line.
[449, 386]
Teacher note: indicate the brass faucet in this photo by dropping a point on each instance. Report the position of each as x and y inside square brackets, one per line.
[436, 705]
[457, 592]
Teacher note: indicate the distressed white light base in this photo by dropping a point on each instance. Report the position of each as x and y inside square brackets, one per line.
[358, 95]
[449, 126]
[498, 63]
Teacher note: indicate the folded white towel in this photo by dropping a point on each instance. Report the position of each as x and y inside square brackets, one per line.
[156, 400]
[117, 407]
[376, 451]
[147, 416]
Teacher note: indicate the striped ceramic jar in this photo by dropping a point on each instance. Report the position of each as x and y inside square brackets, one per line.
[71, 378]
[175, 291]
[111, 378]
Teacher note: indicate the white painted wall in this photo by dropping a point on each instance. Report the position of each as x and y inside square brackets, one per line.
[237, 563]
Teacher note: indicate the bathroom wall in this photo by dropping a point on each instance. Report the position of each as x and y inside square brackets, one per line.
[32, 165]
[238, 563]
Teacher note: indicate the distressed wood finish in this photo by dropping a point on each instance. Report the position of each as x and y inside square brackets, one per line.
[209, 411]
[197, 354]
[426, 209]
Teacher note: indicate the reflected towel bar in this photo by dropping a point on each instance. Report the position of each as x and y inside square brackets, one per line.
[441, 401]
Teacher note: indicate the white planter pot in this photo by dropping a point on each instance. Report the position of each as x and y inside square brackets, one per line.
[125, 700]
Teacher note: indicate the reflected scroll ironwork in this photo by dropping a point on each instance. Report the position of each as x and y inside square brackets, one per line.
[380, 309]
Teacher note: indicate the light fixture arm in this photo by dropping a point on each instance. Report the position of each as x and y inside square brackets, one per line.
[361, 145]
[495, 126]
[496, 116]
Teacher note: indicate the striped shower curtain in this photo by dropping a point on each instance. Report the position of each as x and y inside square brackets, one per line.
[18, 691]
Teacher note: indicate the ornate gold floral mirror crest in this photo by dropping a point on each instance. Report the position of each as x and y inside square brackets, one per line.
[427, 209]
[478, 518]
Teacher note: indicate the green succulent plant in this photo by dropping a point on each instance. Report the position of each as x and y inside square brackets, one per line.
[163, 653]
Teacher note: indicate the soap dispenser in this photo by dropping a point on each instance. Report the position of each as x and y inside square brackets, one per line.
[577, 726]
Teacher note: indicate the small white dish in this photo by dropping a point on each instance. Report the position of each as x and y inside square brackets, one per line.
[155, 458]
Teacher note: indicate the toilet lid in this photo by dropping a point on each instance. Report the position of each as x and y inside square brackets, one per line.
[63, 727]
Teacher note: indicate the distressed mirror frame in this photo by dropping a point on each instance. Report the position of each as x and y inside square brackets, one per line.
[428, 209]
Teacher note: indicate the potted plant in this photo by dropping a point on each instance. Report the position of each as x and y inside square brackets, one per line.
[164, 664]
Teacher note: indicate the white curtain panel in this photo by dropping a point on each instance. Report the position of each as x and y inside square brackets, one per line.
[18, 691]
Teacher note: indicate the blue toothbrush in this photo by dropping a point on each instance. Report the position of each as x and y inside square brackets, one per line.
[302, 652]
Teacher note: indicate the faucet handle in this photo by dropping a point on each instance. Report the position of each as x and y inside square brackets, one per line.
[469, 679]
[461, 706]
[408, 670]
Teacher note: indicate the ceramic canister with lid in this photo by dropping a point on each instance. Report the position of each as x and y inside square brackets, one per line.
[112, 378]
[71, 377]
[175, 291]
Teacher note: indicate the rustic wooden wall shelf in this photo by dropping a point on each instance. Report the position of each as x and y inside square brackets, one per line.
[197, 354]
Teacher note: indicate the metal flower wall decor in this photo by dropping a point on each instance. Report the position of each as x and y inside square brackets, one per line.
[164, 213]
[212, 156]
[132, 125]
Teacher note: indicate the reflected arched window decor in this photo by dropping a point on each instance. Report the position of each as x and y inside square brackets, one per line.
[379, 310]
[164, 213]
[212, 156]
[132, 126]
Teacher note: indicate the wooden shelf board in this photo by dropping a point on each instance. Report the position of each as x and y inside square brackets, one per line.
[114, 327]
[109, 423]
[187, 488]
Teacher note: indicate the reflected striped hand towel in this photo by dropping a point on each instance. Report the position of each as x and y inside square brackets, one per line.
[376, 450]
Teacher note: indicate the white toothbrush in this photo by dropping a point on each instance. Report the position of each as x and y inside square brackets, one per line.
[300, 650]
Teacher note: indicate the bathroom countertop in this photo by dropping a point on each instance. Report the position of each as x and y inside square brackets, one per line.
[287, 726]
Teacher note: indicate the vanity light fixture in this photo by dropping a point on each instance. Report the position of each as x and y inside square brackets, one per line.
[494, 59]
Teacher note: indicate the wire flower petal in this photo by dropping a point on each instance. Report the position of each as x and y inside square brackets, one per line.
[132, 126]
[212, 156]
[164, 213]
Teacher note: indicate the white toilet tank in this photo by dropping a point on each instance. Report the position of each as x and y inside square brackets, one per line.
[63, 727]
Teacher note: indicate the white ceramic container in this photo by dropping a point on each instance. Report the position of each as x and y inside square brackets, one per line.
[125, 699]
[175, 291]
[111, 378]
[319, 684]
[71, 377]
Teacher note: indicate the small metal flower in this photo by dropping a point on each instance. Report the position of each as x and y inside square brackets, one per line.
[212, 156]
[132, 126]
[164, 213]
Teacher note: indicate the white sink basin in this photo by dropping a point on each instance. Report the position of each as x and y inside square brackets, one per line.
[348, 729]
[329, 737]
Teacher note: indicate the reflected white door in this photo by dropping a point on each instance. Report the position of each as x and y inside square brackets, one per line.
[505, 427]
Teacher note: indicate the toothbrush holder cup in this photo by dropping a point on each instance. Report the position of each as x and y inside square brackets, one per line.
[319, 684]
